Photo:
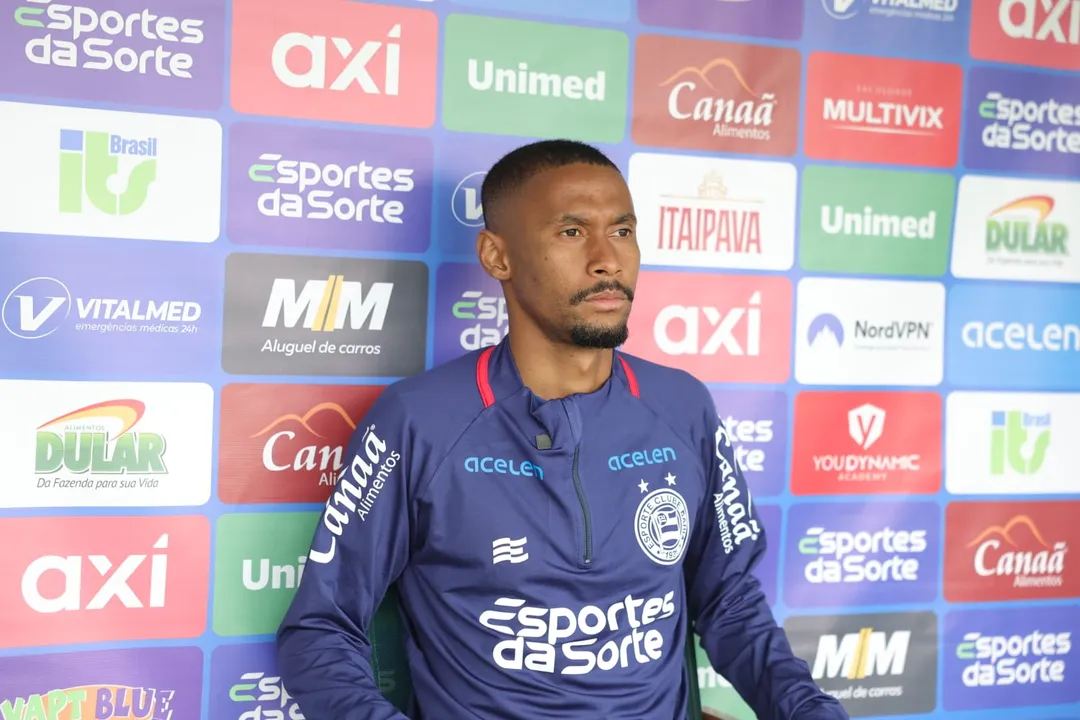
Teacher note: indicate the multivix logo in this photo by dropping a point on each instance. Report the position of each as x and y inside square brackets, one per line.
[90, 171]
[1018, 442]
[325, 305]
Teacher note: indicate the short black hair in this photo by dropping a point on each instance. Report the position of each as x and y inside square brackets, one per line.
[512, 170]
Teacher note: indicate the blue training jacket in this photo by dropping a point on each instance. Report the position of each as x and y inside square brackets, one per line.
[548, 555]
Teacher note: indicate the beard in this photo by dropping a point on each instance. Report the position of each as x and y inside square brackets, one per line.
[598, 337]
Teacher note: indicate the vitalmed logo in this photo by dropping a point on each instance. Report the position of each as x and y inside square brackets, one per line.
[286, 443]
[869, 332]
[470, 311]
[926, 28]
[720, 328]
[757, 425]
[110, 51]
[708, 212]
[875, 664]
[781, 19]
[102, 579]
[104, 173]
[293, 186]
[106, 444]
[342, 61]
[875, 109]
[875, 553]
[866, 443]
[1023, 122]
[1016, 337]
[990, 654]
[1044, 33]
[936, 10]
[716, 96]
[1010, 551]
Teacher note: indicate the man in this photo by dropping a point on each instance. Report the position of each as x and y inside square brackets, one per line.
[552, 511]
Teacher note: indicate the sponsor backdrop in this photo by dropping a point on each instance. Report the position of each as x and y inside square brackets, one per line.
[227, 225]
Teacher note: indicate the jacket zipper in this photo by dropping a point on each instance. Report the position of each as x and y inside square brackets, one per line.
[584, 509]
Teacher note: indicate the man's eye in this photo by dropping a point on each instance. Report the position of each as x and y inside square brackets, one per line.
[570, 230]
[625, 232]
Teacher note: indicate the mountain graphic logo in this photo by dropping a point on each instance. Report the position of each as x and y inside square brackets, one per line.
[703, 74]
[826, 327]
[303, 420]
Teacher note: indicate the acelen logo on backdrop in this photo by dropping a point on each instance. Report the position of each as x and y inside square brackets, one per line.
[286, 443]
[881, 222]
[470, 311]
[111, 51]
[874, 109]
[1012, 443]
[719, 328]
[710, 212]
[1007, 551]
[103, 173]
[295, 186]
[335, 60]
[1044, 33]
[517, 86]
[757, 424]
[855, 443]
[875, 553]
[106, 444]
[103, 579]
[716, 96]
[1022, 122]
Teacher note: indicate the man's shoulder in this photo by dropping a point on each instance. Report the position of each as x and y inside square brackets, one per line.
[675, 394]
[440, 396]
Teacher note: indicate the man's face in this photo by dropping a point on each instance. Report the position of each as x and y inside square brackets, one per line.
[571, 243]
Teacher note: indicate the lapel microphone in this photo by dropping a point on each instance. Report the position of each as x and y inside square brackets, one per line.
[543, 442]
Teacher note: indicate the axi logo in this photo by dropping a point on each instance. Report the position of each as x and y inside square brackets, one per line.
[1010, 551]
[716, 96]
[98, 579]
[862, 554]
[757, 426]
[743, 334]
[286, 443]
[1044, 33]
[339, 60]
[866, 443]
[875, 109]
[470, 308]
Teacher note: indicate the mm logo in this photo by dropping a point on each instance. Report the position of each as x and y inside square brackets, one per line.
[90, 160]
[1009, 436]
[325, 305]
[867, 653]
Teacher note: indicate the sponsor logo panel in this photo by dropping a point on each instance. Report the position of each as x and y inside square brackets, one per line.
[103, 579]
[470, 311]
[710, 212]
[114, 51]
[286, 443]
[159, 683]
[1012, 551]
[757, 425]
[923, 28]
[608, 11]
[881, 110]
[855, 443]
[875, 221]
[875, 664]
[106, 444]
[874, 553]
[1009, 657]
[869, 332]
[104, 173]
[1043, 33]
[780, 19]
[294, 186]
[293, 315]
[716, 96]
[1014, 338]
[336, 60]
[1016, 229]
[518, 86]
[720, 328]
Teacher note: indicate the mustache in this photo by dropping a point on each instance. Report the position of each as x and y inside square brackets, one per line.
[600, 287]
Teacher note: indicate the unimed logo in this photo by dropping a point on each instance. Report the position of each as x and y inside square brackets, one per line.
[720, 328]
[286, 443]
[1044, 33]
[854, 443]
[335, 60]
[99, 579]
[998, 551]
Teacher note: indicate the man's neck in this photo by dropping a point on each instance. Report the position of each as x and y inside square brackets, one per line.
[553, 370]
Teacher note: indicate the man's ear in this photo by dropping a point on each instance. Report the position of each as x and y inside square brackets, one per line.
[491, 251]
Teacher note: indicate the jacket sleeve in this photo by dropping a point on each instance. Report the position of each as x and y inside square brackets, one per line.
[360, 547]
[726, 603]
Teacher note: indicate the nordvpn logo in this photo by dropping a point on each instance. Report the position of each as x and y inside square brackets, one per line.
[826, 331]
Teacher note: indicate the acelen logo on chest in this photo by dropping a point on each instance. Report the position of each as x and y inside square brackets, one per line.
[716, 96]
[881, 110]
[1010, 551]
[286, 443]
[1044, 33]
[757, 425]
[112, 50]
[866, 443]
[335, 60]
[720, 328]
[873, 553]
[294, 186]
[470, 311]
[98, 579]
